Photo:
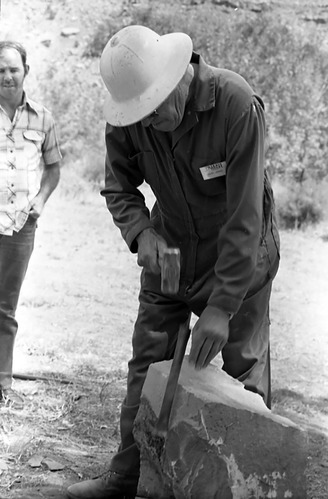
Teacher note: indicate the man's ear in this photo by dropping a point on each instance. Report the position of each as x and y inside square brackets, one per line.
[27, 69]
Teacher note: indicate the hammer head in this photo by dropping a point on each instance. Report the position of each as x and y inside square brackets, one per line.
[170, 275]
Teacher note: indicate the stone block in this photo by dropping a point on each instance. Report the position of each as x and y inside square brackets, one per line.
[222, 441]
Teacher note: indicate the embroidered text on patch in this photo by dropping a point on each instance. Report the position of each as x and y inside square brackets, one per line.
[213, 171]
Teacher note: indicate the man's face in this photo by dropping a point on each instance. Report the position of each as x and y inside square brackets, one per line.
[12, 74]
[169, 114]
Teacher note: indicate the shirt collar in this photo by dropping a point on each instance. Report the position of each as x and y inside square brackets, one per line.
[203, 97]
[27, 102]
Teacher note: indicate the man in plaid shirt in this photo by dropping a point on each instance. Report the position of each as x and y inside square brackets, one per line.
[29, 172]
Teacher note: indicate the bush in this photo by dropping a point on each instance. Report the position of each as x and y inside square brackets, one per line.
[300, 204]
[281, 60]
[77, 105]
[104, 31]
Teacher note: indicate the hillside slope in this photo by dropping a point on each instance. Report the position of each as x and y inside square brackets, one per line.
[79, 299]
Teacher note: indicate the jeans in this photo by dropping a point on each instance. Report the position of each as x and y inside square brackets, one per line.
[15, 252]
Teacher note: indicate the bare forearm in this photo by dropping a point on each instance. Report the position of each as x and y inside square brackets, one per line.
[49, 181]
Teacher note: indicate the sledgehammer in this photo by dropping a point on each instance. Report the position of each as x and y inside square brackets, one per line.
[172, 381]
[170, 271]
[170, 285]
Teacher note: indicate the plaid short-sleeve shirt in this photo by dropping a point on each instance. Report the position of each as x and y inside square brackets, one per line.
[26, 144]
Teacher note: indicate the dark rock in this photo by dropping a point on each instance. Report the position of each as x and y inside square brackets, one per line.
[222, 441]
[70, 31]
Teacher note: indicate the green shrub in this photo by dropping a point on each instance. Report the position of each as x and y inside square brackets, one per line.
[283, 62]
[300, 204]
[77, 105]
[104, 31]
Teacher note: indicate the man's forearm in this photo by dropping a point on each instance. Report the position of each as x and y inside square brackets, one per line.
[49, 181]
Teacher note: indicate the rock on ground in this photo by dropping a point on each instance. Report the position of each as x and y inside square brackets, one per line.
[222, 441]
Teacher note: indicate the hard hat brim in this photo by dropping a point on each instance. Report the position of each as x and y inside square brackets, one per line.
[176, 54]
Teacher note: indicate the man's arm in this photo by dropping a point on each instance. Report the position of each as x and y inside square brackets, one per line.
[240, 237]
[124, 200]
[49, 182]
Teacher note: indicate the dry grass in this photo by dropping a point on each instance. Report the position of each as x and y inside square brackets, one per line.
[76, 313]
[73, 424]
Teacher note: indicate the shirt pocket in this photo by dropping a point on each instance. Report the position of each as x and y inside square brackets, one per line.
[33, 140]
[214, 185]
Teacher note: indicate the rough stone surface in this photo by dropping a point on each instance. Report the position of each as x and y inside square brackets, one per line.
[222, 441]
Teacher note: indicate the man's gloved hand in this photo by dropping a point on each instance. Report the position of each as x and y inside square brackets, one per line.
[150, 250]
[209, 335]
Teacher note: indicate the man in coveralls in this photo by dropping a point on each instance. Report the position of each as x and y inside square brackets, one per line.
[196, 135]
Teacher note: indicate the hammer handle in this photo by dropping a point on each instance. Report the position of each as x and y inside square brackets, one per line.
[170, 274]
[172, 382]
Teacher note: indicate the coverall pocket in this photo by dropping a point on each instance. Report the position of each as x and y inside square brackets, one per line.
[269, 217]
[262, 271]
[267, 205]
[211, 185]
[269, 228]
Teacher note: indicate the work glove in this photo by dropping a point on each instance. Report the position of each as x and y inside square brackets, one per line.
[150, 250]
[209, 335]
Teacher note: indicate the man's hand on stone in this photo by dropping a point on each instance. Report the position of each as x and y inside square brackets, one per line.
[150, 250]
[209, 335]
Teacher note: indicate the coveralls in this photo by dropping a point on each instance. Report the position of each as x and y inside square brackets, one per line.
[213, 201]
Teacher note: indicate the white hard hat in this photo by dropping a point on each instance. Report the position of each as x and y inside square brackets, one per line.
[140, 69]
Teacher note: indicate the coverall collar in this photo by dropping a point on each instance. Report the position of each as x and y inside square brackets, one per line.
[202, 99]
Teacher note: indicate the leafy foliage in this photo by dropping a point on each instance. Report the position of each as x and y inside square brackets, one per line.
[77, 104]
[300, 203]
[283, 62]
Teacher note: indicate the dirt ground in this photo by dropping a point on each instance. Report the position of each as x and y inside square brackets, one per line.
[76, 314]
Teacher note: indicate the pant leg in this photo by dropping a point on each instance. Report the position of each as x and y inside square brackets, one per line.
[15, 252]
[154, 340]
[246, 356]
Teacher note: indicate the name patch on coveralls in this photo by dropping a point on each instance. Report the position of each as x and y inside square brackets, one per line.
[213, 171]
